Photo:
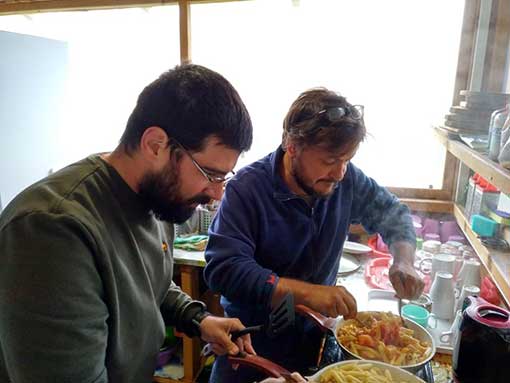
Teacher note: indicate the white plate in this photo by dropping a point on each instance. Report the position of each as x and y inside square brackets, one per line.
[356, 248]
[348, 264]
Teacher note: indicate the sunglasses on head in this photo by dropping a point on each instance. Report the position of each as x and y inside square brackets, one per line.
[338, 112]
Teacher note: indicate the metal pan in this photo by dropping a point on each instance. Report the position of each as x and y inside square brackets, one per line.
[332, 325]
[276, 371]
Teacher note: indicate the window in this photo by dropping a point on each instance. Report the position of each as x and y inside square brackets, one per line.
[396, 57]
[112, 55]
[109, 57]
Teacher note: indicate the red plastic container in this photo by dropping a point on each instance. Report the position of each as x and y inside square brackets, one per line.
[377, 274]
[372, 243]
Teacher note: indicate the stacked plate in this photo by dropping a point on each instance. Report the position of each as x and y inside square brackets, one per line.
[473, 114]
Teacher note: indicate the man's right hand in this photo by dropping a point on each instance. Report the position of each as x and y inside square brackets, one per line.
[332, 301]
[328, 300]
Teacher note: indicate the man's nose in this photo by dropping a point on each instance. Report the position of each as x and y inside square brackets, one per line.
[214, 190]
[338, 172]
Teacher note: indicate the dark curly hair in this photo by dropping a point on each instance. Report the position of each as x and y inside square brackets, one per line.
[191, 103]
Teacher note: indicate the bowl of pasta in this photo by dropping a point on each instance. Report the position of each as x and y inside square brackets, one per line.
[363, 372]
[379, 336]
[359, 371]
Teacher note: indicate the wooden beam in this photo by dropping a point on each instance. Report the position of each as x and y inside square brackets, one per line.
[479, 71]
[185, 31]
[498, 49]
[466, 48]
[451, 168]
[428, 205]
[8, 7]
[35, 6]
[415, 193]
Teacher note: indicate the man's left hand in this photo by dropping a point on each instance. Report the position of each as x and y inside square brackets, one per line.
[406, 281]
[216, 331]
[404, 278]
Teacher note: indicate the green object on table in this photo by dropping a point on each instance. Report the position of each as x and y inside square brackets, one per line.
[170, 339]
[419, 243]
[193, 242]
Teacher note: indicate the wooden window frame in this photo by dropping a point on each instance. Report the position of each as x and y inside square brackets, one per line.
[493, 78]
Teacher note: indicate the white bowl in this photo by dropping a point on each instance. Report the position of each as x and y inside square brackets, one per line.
[397, 374]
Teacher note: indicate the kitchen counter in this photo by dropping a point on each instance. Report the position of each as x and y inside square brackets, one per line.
[367, 298]
[189, 258]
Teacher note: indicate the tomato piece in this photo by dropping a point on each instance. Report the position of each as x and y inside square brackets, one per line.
[366, 340]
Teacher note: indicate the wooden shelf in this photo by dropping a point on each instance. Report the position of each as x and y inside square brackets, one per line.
[490, 170]
[496, 263]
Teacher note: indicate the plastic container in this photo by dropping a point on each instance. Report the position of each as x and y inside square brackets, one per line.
[377, 274]
[497, 121]
[473, 181]
[448, 229]
[419, 315]
[483, 226]
[485, 194]
[457, 238]
[165, 355]
[505, 132]
[430, 226]
[432, 237]
[372, 243]
[432, 246]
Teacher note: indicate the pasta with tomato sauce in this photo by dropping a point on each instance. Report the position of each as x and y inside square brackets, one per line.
[380, 336]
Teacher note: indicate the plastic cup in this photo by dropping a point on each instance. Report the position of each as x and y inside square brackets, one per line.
[417, 314]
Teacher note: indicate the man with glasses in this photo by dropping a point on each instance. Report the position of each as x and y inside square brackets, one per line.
[86, 254]
[283, 221]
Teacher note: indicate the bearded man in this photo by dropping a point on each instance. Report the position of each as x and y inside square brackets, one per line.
[86, 262]
[282, 224]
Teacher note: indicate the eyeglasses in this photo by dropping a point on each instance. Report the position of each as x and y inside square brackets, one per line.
[211, 177]
[336, 113]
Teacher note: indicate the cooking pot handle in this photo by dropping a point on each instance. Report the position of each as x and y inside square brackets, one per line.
[325, 323]
[265, 366]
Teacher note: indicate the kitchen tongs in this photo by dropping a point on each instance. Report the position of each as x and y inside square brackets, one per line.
[280, 318]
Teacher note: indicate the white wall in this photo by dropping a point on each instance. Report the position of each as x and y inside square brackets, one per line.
[32, 82]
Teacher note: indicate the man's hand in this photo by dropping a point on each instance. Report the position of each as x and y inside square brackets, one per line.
[216, 331]
[328, 300]
[404, 278]
[332, 301]
[295, 378]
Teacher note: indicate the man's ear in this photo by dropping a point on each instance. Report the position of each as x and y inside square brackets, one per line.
[291, 149]
[154, 142]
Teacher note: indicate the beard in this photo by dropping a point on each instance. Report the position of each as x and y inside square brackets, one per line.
[160, 193]
[306, 186]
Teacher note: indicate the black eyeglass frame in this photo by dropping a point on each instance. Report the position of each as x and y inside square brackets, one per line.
[208, 175]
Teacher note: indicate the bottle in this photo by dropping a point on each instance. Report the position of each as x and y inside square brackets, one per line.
[498, 119]
[504, 151]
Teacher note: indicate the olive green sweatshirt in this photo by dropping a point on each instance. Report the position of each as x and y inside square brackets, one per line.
[85, 281]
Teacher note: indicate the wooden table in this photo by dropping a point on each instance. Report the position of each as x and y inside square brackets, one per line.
[191, 264]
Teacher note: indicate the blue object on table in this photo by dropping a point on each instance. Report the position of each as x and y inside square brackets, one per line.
[483, 226]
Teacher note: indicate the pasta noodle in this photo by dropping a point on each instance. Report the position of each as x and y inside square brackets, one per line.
[380, 336]
[358, 373]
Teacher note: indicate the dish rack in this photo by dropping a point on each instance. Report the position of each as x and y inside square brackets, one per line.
[205, 217]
